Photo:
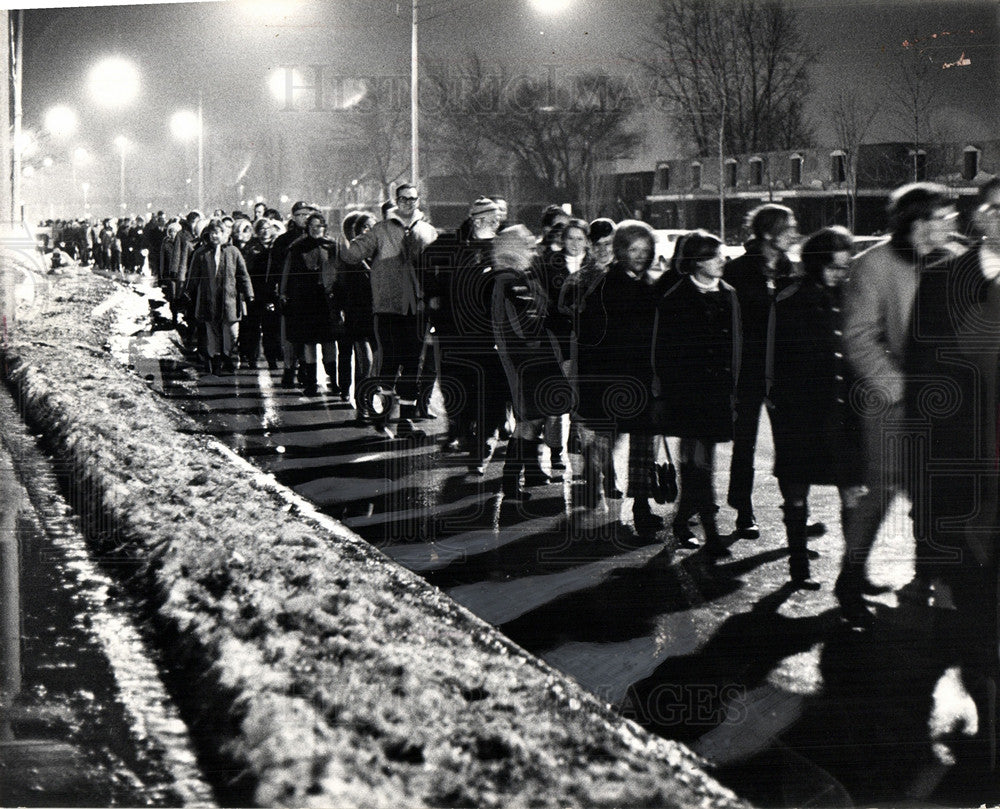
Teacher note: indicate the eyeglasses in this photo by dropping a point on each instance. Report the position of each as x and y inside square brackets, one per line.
[406, 199]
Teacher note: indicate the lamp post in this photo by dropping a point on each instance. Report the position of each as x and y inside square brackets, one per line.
[122, 143]
[414, 103]
[86, 204]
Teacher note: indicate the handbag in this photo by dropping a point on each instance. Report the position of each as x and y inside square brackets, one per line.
[665, 478]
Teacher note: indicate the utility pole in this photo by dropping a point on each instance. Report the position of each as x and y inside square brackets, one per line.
[414, 103]
[15, 72]
[201, 158]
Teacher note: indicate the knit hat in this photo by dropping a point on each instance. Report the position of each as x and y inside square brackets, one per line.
[482, 205]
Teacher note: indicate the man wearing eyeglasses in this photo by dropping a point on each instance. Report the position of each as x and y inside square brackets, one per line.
[393, 248]
[878, 309]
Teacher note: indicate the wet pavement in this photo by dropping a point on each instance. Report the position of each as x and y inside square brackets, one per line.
[766, 682]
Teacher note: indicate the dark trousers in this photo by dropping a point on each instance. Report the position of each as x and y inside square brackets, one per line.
[250, 330]
[337, 363]
[473, 388]
[270, 328]
[399, 340]
[741, 471]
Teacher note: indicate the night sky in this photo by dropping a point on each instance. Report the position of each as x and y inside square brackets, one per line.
[227, 49]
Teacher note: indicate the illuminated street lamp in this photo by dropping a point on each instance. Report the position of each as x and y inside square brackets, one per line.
[122, 143]
[113, 82]
[60, 121]
[86, 188]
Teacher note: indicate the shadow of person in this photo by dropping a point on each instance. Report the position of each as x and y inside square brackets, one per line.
[868, 726]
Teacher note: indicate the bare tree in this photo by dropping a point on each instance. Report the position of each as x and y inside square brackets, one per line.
[380, 131]
[557, 130]
[742, 62]
[913, 92]
[852, 119]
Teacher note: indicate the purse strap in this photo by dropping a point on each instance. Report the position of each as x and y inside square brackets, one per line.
[666, 449]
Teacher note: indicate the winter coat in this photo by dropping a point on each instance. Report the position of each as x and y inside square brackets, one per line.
[748, 275]
[309, 267]
[696, 361]
[458, 283]
[180, 258]
[352, 289]
[219, 293]
[392, 248]
[952, 395]
[537, 384]
[614, 330]
[276, 257]
[878, 304]
[817, 434]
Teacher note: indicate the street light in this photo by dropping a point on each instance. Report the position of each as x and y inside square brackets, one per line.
[86, 188]
[114, 81]
[60, 121]
[122, 143]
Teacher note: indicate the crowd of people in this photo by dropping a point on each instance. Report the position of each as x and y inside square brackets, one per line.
[583, 325]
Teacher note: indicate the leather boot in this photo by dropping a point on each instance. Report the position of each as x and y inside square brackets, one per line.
[533, 474]
[512, 465]
[310, 387]
[331, 371]
[798, 556]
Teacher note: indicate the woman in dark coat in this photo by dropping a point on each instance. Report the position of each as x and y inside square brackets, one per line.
[354, 293]
[614, 326]
[255, 256]
[817, 436]
[309, 268]
[220, 289]
[696, 350]
[538, 387]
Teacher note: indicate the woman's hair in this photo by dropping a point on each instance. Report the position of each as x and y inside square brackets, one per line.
[241, 225]
[363, 221]
[628, 232]
[347, 225]
[818, 250]
[261, 225]
[768, 219]
[601, 229]
[315, 217]
[693, 247]
[579, 224]
[214, 225]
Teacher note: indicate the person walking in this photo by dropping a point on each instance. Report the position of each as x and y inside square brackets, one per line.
[754, 276]
[220, 289]
[878, 304]
[696, 364]
[817, 435]
[393, 247]
[614, 375]
[309, 272]
[353, 291]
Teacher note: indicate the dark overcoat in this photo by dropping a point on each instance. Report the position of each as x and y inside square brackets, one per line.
[817, 434]
[232, 289]
[528, 354]
[953, 400]
[696, 361]
[310, 267]
[614, 332]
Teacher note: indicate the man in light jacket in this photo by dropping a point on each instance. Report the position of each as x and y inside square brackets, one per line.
[878, 305]
[393, 248]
